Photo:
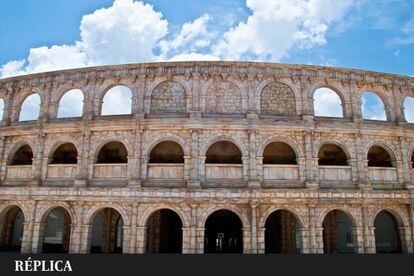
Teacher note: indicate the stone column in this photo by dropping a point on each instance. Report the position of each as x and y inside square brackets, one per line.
[186, 248]
[358, 239]
[75, 238]
[133, 232]
[261, 245]
[187, 167]
[82, 169]
[252, 154]
[27, 237]
[315, 233]
[405, 174]
[369, 234]
[246, 240]
[3, 159]
[310, 168]
[37, 234]
[245, 161]
[406, 239]
[144, 166]
[305, 243]
[141, 239]
[253, 229]
[202, 167]
[135, 164]
[126, 238]
[194, 167]
[200, 231]
[86, 238]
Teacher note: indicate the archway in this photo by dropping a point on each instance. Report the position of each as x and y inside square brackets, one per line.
[117, 101]
[107, 232]
[56, 231]
[379, 157]
[373, 107]
[332, 155]
[23, 156]
[11, 232]
[30, 108]
[223, 233]
[282, 234]
[112, 153]
[279, 153]
[65, 154]
[167, 152]
[327, 103]
[223, 152]
[1, 109]
[71, 104]
[164, 232]
[337, 233]
[387, 236]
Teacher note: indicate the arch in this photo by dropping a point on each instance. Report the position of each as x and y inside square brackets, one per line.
[56, 232]
[379, 156]
[30, 108]
[113, 152]
[327, 103]
[224, 152]
[223, 97]
[71, 104]
[373, 107]
[409, 109]
[282, 233]
[167, 152]
[117, 101]
[1, 109]
[387, 234]
[65, 153]
[277, 99]
[268, 139]
[223, 232]
[279, 153]
[164, 232]
[331, 154]
[106, 235]
[22, 156]
[338, 236]
[168, 97]
[12, 227]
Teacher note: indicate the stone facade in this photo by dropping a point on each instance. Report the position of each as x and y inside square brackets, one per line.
[277, 99]
[193, 189]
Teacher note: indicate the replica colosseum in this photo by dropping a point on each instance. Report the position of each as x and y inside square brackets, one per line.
[209, 157]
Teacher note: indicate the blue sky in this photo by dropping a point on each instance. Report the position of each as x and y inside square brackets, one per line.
[364, 34]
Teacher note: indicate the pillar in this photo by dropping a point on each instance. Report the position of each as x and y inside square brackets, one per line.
[37, 234]
[186, 248]
[75, 238]
[141, 233]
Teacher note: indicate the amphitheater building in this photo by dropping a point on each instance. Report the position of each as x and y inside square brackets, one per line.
[211, 157]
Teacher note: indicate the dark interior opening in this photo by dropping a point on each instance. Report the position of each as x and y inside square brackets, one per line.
[113, 152]
[65, 154]
[23, 156]
[167, 152]
[279, 153]
[379, 157]
[332, 155]
[282, 233]
[223, 152]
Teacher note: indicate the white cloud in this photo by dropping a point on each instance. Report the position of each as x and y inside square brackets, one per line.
[194, 57]
[128, 31]
[193, 36]
[277, 26]
[327, 103]
[372, 107]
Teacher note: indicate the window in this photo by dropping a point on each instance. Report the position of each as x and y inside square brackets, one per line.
[30, 108]
[372, 107]
[71, 104]
[117, 101]
[327, 103]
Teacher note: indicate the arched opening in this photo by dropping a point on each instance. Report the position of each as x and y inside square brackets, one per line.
[117, 101]
[167, 152]
[379, 157]
[71, 104]
[23, 156]
[412, 160]
[337, 233]
[223, 152]
[164, 232]
[107, 232]
[372, 107]
[113, 152]
[223, 233]
[332, 155]
[409, 109]
[65, 154]
[1, 109]
[167, 98]
[279, 153]
[387, 236]
[327, 103]
[57, 231]
[11, 232]
[30, 108]
[282, 234]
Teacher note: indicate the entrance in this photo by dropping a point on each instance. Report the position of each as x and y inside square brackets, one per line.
[223, 233]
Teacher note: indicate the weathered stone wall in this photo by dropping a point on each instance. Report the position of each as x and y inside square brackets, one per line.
[278, 99]
[308, 191]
